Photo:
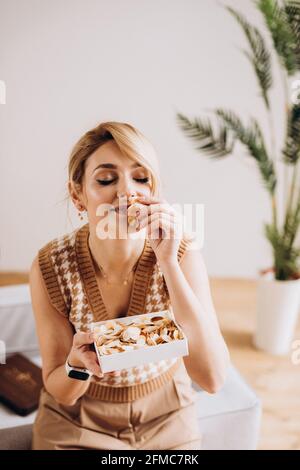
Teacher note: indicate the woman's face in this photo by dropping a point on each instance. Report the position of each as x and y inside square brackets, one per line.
[109, 175]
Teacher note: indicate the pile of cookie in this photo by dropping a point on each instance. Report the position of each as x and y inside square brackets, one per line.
[115, 336]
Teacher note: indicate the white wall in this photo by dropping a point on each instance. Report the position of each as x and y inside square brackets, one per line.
[70, 64]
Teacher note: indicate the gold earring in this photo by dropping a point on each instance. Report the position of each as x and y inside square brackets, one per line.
[80, 214]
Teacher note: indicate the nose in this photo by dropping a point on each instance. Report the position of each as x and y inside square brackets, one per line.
[127, 192]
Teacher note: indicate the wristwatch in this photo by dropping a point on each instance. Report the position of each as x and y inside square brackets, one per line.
[79, 373]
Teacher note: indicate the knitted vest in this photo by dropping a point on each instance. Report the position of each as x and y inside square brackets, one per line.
[68, 272]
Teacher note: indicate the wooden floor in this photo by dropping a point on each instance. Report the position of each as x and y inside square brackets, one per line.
[275, 379]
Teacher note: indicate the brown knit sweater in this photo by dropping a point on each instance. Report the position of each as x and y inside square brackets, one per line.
[68, 271]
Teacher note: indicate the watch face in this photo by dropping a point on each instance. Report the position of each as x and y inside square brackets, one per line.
[76, 374]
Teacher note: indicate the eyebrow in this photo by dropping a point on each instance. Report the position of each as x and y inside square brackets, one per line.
[114, 167]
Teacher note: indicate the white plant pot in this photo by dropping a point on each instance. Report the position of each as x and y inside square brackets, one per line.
[278, 305]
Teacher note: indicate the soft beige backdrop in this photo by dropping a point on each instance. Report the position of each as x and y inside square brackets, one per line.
[69, 64]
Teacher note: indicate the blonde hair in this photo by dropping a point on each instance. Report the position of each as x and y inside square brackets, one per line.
[130, 141]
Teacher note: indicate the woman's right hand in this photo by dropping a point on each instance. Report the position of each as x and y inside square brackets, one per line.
[83, 354]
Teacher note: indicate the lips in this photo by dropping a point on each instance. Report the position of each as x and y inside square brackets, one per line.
[123, 207]
[121, 210]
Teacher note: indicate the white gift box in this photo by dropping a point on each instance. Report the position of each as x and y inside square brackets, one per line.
[143, 354]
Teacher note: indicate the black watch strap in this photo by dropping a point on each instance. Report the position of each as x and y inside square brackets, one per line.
[78, 373]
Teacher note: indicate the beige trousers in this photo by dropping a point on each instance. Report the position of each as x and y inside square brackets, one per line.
[164, 419]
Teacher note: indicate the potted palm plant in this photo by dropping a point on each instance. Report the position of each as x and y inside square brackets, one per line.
[279, 286]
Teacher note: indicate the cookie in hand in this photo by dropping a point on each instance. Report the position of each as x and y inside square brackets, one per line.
[132, 213]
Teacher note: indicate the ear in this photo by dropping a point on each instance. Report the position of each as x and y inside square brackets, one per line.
[75, 194]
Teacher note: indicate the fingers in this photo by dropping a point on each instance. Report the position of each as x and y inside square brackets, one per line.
[171, 226]
[91, 362]
[145, 209]
[144, 221]
[86, 356]
[80, 338]
[155, 220]
[153, 223]
[149, 199]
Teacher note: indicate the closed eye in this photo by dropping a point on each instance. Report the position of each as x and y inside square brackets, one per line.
[142, 180]
[139, 180]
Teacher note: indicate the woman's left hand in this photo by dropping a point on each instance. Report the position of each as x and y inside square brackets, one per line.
[164, 228]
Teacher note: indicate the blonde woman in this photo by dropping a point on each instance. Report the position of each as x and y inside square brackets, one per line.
[83, 277]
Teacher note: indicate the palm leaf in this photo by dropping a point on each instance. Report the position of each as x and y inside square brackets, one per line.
[292, 11]
[259, 57]
[212, 143]
[291, 151]
[252, 138]
[282, 32]
[285, 256]
[282, 18]
[292, 224]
